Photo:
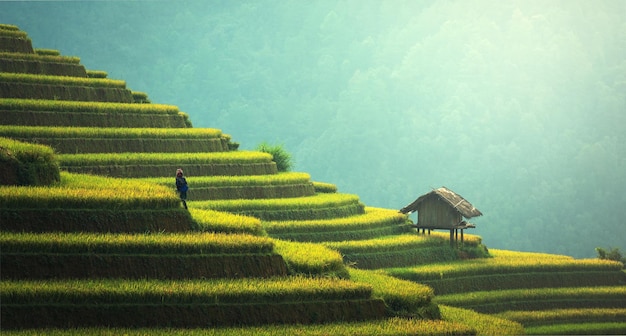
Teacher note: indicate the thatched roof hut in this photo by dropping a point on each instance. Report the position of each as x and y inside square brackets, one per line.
[442, 208]
[454, 200]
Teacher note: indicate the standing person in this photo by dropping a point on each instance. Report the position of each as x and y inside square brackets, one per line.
[181, 186]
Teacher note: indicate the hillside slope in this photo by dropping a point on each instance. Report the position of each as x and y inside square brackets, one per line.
[257, 246]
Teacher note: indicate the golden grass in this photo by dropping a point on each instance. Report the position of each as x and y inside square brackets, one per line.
[44, 105]
[89, 192]
[107, 159]
[62, 80]
[108, 132]
[156, 243]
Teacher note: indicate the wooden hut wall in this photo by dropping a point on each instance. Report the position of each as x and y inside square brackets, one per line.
[436, 213]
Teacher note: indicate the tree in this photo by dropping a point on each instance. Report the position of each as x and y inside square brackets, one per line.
[281, 156]
[612, 254]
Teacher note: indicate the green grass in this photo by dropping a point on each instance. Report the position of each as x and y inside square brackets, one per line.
[157, 243]
[159, 292]
[62, 80]
[311, 259]
[319, 206]
[52, 52]
[219, 221]
[400, 296]
[108, 133]
[389, 326]
[372, 218]
[323, 187]
[561, 316]
[600, 328]
[317, 201]
[230, 181]
[40, 57]
[97, 74]
[5, 26]
[483, 324]
[34, 105]
[385, 244]
[24, 152]
[539, 298]
[27, 164]
[89, 192]
[505, 263]
[394, 251]
[13, 33]
[113, 159]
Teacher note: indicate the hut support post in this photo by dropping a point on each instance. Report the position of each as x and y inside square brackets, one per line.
[452, 237]
[462, 240]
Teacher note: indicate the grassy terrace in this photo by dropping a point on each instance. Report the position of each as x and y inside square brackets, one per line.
[373, 223]
[318, 201]
[561, 316]
[219, 291]
[111, 159]
[497, 301]
[92, 204]
[25, 152]
[320, 206]
[61, 80]
[391, 244]
[108, 133]
[505, 265]
[32, 105]
[281, 185]
[401, 296]
[70, 140]
[33, 256]
[512, 270]
[395, 251]
[185, 303]
[89, 192]
[390, 326]
[606, 328]
[219, 221]
[372, 218]
[160, 243]
[39, 57]
[12, 31]
[283, 178]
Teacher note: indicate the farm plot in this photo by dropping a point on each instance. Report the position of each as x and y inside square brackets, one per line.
[191, 303]
[375, 222]
[137, 256]
[497, 301]
[165, 164]
[320, 206]
[387, 326]
[71, 140]
[281, 185]
[510, 270]
[395, 251]
[92, 204]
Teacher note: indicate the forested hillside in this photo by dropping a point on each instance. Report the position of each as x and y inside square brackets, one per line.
[520, 106]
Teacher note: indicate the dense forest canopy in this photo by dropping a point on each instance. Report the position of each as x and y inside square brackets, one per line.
[519, 106]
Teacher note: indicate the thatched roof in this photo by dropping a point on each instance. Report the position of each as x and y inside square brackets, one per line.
[460, 204]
